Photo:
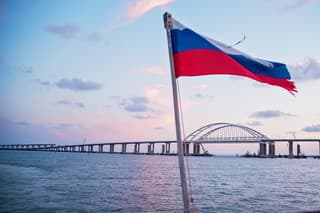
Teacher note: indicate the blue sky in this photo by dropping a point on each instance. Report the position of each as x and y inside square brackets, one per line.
[100, 69]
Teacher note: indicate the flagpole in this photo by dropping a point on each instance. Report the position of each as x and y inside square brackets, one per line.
[183, 174]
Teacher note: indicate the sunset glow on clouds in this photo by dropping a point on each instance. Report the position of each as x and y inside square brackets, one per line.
[138, 8]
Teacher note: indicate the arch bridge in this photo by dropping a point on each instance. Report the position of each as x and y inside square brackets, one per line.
[210, 134]
[225, 133]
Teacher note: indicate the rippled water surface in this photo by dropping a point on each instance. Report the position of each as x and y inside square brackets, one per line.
[79, 182]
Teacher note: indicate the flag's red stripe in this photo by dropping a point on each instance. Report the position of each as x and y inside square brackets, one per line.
[206, 62]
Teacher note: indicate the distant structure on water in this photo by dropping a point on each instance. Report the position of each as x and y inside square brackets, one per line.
[216, 133]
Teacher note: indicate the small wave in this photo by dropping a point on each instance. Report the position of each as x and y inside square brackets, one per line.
[21, 166]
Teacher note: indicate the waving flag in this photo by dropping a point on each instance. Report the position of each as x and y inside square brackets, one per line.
[195, 55]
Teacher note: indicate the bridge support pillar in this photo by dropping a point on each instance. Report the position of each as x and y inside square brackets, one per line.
[273, 153]
[124, 148]
[196, 149]
[298, 150]
[90, 148]
[100, 147]
[81, 148]
[272, 150]
[163, 150]
[262, 149]
[136, 148]
[168, 148]
[290, 149]
[111, 148]
[151, 149]
[185, 149]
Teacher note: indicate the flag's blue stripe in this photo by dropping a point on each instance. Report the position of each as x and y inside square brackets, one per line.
[277, 71]
[186, 39]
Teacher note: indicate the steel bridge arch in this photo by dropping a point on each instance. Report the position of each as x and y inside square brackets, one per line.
[225, 132]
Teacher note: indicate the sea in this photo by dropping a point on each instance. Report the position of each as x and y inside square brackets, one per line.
[32, 181]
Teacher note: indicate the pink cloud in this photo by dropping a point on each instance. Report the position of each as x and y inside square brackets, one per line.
[134, 10]
[140, 7]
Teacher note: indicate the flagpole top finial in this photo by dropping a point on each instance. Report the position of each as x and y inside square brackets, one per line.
[167, 19]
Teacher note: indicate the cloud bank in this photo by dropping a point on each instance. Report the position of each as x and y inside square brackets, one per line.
[297, 5]
[308, 70]
[70, 103]
[77, 84]
[313, 128]
[136, 104]
[269, 114]
[66, 31]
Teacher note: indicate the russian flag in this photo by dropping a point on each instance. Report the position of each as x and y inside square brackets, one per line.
[195, 55]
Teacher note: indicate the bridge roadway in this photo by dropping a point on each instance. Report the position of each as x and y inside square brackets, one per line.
[25, 146]
[165, 146]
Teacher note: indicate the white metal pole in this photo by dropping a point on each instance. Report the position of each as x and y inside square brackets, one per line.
[183, 175]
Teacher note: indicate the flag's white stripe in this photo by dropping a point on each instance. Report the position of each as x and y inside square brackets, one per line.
[223, 47]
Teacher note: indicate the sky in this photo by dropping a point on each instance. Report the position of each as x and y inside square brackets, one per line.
[99, 69]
